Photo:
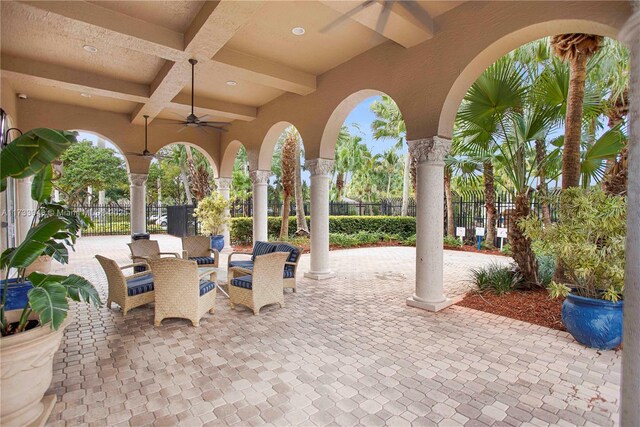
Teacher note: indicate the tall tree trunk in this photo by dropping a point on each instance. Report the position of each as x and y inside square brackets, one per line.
[573, 123]
[185, 183]
[301, 220]
[451, 225]
[521, 245]
[541, 153]
[489, 202]
[339, 185]
[405, 185]
[284, 225]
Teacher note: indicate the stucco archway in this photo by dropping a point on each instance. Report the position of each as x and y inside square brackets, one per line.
[212, 163]
[109, 140]
[229, 158]
[269, 142]
[503, 46]
[337, 118]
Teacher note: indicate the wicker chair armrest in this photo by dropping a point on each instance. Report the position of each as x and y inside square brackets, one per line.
[239, 253]
[207, 274]
[134, 275]
[241, 270]
[135, 264]
[185, 254]
[175, 254]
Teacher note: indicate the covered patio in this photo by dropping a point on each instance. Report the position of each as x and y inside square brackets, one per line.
[345, 351]
[359, 344]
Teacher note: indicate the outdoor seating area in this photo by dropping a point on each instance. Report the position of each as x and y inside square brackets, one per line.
[320, 213]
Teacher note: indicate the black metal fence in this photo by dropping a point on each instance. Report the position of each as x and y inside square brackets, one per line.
[388, 207]
[115, 219]
[181, 221]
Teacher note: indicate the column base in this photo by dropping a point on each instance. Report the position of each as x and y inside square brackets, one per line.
[429, 306]
[319, 276]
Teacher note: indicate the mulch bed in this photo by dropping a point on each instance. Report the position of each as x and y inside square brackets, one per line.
[531, 306]
[306, 248]
[469, 248]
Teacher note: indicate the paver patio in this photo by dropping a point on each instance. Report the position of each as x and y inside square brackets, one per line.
[345, 351]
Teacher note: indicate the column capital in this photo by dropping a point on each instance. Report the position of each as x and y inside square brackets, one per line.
[224, 183]
[432, 149]
[138, 179]
[319, 166]
[259, 176]
[630, 31]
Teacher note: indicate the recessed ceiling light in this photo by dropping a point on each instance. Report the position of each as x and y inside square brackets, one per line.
[86, 95]
[89, 48]
[298, 31]
[232, 83]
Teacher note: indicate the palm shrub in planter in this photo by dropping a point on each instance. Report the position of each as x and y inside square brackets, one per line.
[211, 215]
[588, 241]
[32, 333]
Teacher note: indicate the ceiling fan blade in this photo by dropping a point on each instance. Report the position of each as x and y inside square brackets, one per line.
[202, 129]
[217, 128]
[215, 123]
[201, 118]
[383, 18]
[346, 16]
[182, 128]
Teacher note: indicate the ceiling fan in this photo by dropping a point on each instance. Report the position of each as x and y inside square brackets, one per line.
[145, 152]
[192, 120]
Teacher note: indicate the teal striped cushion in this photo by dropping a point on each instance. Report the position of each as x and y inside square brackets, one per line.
[262, 248]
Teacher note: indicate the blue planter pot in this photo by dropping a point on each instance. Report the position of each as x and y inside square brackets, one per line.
[593, 322]
[217, 242]
[16, 294]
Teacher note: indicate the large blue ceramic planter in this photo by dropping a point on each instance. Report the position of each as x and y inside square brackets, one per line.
[593, 322]
[217, 242]
[16, 294]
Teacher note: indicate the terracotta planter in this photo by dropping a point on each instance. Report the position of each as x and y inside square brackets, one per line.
[26, 370]
[42, 264]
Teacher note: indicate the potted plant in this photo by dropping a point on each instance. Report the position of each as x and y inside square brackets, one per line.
[32, 333]
[588, 242]
[210, 212]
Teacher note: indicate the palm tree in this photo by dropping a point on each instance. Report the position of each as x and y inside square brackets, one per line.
[390, 124]
[301, 221]
[499, 112]
[287, 177]
[576, 49]
[390, 162]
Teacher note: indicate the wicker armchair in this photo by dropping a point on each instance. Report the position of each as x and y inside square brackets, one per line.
[127, 291]
[180, 290]
[263, 286]
[144, 250]
[244, 267]
[198, 249]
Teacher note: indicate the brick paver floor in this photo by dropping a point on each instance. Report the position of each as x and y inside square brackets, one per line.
[347, 351]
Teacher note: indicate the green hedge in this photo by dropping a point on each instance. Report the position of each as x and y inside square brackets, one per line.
[403, 227]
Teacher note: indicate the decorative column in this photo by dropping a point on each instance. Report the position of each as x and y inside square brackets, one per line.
[138, 191]
[224, 184]
[429, 153]
[260, 179]
[25, 208]
[320, 175]
[630, 387]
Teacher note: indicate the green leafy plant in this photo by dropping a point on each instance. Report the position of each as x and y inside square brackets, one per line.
[506, 249]
[53, 230]
[587, 242]
[497, 278]
[210, 213]
[452, 241]
[546, 269]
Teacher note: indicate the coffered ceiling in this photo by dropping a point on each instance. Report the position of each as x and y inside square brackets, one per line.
[131, 56]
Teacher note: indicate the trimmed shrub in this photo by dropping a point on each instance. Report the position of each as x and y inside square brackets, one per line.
[381, 228]
[496, 278]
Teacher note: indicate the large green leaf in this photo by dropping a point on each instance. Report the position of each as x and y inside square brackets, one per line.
[608, 145]
[49, 301]
[42, 185]
[29, 153]
[35, 242]
[57, 251]
[80, 289]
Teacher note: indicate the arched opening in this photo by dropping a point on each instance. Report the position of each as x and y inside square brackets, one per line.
[502, 47]
[92, 172]
[519, 124]
[366, 135]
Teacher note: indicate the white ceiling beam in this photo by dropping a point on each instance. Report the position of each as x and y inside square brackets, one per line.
[266, 72]
[393, 20]
[45, 74]
[210, 30]
[203, 39]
